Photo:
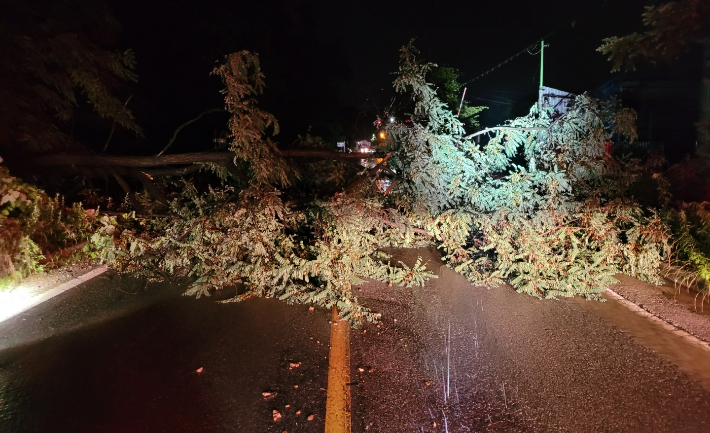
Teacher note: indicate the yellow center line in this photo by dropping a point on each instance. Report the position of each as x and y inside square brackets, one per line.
[337, 409]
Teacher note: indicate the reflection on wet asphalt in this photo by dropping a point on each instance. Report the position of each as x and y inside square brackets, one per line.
[117, 355]
[476, 359]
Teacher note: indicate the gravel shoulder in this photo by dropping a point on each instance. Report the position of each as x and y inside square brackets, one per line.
[672, 303]
[40, 283]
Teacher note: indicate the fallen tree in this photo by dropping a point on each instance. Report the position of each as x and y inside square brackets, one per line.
[539, 206]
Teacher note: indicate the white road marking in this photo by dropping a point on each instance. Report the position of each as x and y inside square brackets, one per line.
[695, 341]
[18, 300]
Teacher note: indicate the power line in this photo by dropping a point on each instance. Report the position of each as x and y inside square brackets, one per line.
[491, 101]
[491, 95]
[502, 91]
[524, 50]
[534, 44]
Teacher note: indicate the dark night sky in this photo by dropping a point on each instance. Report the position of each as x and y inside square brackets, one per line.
[327, 61]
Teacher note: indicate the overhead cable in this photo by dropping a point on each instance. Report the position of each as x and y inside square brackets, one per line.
[537, 42]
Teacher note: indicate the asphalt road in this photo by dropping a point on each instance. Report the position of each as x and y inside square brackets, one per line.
[119, 355]
[515, 363]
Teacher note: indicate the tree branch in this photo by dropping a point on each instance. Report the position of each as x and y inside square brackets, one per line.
[177, 131]
[132, 161]
[150, 187]
[127, 189]
[414, 229]
[370, 173]
[183, 158]
[113, 127]
[325, 154]
[497, 128]
[158, 172]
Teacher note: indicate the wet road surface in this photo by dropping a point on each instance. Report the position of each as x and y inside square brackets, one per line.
[119, 355]
[515, 363]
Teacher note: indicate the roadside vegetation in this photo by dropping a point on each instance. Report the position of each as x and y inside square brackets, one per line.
[37, 231]
[536, 204]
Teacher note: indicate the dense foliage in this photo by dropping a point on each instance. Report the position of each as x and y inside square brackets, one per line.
[539, 205]
[312, 252]
[33, 226]
[690, 226]
[672, 27]
[532, 208]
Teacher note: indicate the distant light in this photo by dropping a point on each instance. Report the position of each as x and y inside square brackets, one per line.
[391, 119]
[382, 135]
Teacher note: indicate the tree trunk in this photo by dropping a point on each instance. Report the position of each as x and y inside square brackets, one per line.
[184, 158]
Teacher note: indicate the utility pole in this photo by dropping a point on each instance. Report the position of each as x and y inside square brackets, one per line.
[542, 66]
[461, 104]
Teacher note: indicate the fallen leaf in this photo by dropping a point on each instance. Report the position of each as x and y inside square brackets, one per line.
[268, 395]
[277, 416]
[199, 370]
[310, 417]
[294, 365]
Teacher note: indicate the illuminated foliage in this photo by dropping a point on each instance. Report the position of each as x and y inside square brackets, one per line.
[690, 225]
[33, 224]
[533, 207]
[313, 252]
